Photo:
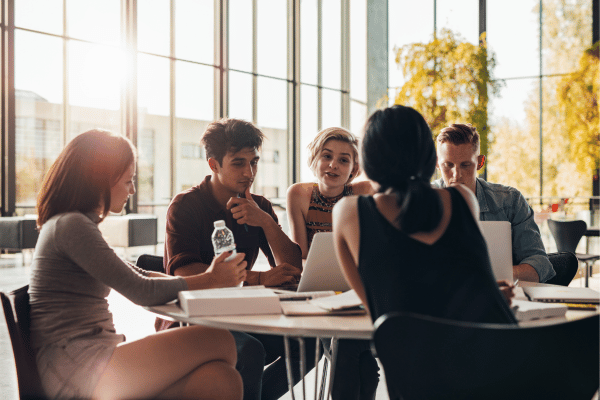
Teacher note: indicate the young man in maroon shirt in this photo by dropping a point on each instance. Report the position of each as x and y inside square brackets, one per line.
[233, 150]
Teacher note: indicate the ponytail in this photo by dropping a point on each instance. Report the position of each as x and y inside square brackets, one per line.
[420, 207]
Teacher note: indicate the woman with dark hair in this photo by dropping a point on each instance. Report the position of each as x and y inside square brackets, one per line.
[78, 352]
[411, 247]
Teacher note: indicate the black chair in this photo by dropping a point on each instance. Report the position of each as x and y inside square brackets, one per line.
[432, 358]
[567, 235]
[16, 313]
[566, 265]
[150, 262]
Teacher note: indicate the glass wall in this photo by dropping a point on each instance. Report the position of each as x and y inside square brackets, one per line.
[324, 81]
[159, 71]
[533, 48]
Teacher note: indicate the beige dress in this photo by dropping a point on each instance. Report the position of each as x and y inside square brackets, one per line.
[72, 330]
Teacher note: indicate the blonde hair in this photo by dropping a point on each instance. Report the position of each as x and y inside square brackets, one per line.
[343, 135]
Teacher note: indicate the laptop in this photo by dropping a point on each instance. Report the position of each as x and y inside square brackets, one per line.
[562, 294]
[497, 235]
[322, 270]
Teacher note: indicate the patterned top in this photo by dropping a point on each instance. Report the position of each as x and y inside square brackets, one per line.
[319, 217]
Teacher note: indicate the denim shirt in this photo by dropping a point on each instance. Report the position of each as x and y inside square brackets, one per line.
[504, 203]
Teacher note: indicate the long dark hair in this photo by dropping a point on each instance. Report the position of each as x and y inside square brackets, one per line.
[81, 177]
[398, 153]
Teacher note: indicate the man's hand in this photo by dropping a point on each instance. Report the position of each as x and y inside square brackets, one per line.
[281, 275]
[246, 211]
[227, 273]
[507, 289]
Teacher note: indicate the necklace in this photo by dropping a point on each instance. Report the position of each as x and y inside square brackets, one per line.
[331, 201]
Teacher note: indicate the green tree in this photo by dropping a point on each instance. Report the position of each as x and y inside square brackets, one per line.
[578, 100]
[448, 81]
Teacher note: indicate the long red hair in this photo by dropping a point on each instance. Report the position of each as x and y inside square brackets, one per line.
[81, 177]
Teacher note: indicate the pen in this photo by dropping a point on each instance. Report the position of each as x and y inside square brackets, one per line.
[296, 298]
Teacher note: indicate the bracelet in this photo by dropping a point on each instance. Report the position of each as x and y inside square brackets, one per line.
[259, 277]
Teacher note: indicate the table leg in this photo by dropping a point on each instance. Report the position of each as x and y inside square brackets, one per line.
[302, 350]
[323, 377]
[334, 346]
[288, 365]
[587, 273]
[317, 354]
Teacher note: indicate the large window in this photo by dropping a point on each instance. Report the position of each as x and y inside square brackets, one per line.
[535, 47]
[159, 71]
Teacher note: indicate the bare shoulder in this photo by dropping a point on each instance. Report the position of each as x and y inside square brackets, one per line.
[299, 194]
[345, 208]
[363, 187]
[300, 188]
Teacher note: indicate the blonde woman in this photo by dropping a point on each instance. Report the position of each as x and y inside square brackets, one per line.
[333, 160]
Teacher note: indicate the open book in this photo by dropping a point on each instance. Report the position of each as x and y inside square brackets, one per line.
[346, 303]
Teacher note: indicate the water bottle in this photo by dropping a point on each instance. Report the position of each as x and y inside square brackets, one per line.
[222, 240]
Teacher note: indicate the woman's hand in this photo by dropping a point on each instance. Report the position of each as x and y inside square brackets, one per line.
[227, 273]
[507, 289]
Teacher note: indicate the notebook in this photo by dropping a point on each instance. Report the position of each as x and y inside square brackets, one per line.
[528, 310]
[562, 294]
[322, 270]
[497, 235]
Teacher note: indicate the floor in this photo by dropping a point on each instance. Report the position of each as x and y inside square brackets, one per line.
[129, 319]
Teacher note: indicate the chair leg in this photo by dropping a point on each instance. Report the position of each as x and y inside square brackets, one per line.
[323, 378]
[587, 274]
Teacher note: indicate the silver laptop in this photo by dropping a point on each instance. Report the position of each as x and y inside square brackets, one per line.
[562, 294]
[322, 270]
[497, 235]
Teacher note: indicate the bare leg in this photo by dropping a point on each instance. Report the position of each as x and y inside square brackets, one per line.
[193, 362]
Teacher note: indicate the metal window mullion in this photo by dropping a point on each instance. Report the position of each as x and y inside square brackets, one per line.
[254, 61]
[319, 64]
[221, 59]
[345, 62]
[129, 88]
[483, 42]
[293, 74]
[66, 107]
[172, 93]
[541, 111]
[434, 19]
[8, 109]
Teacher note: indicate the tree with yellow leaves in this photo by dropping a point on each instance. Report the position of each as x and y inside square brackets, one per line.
[448, 81]
[578, 100]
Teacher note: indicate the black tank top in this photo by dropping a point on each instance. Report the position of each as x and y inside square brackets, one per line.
[451, 278]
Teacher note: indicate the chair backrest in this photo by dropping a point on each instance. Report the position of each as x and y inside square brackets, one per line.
[567, 234]
[16, 312]
[150, 262]
[432, 358]
[565, 264]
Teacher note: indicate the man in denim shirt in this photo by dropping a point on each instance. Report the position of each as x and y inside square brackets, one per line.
[458, 161]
